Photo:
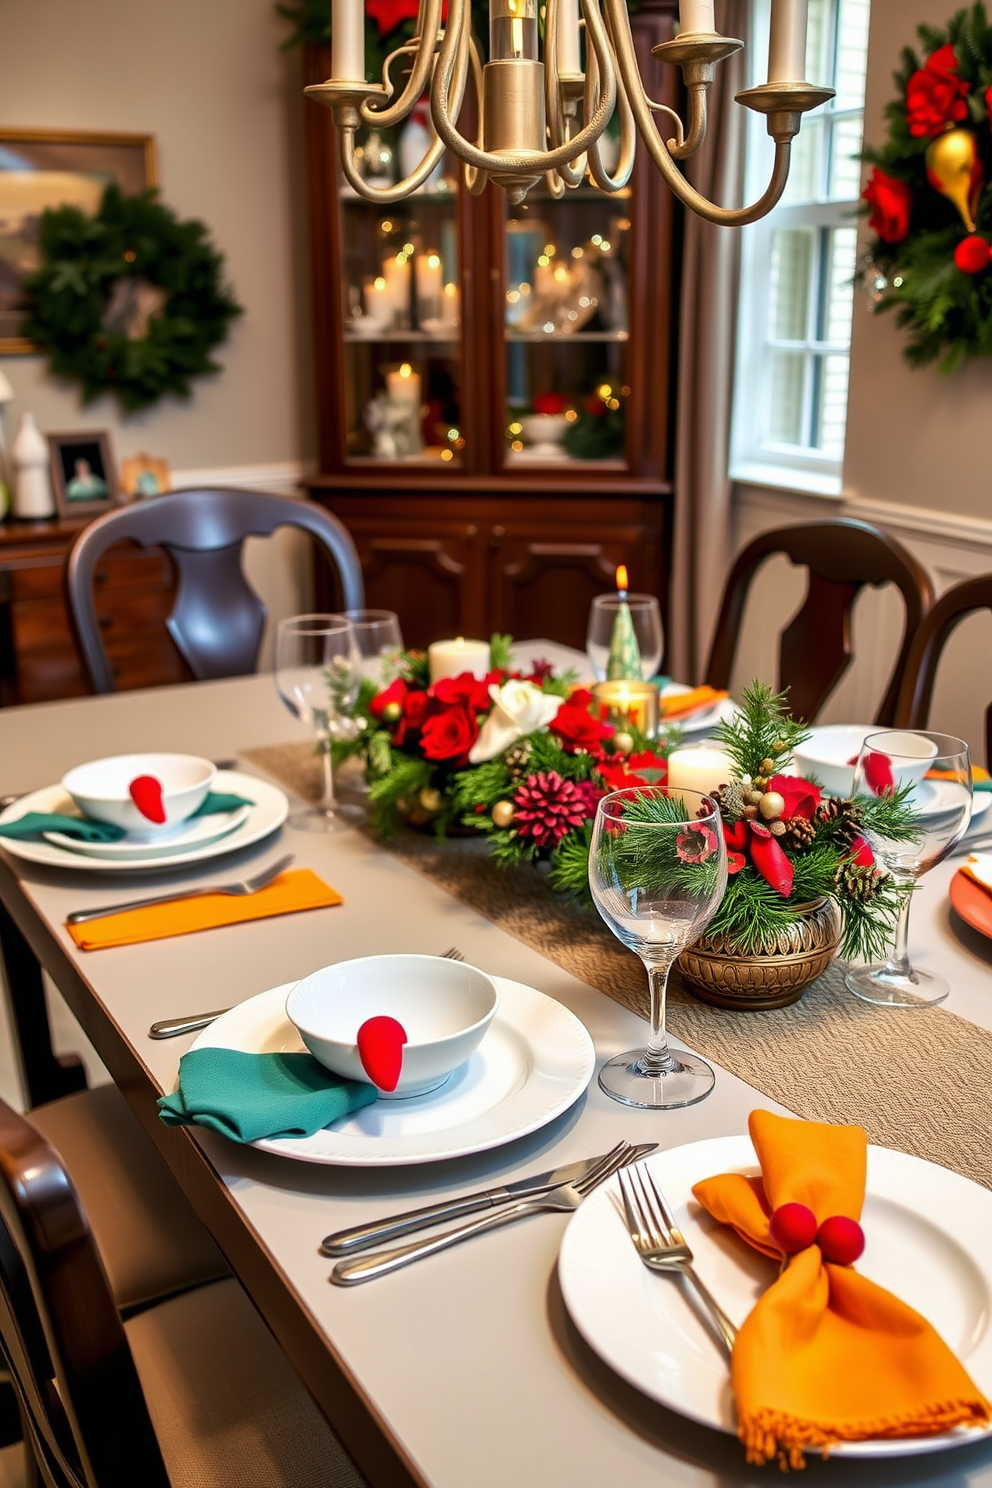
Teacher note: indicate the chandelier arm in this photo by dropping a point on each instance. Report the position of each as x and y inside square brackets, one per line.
[628, 147]
[476, 180]
[555, 185]
[688, 140]
[429, 24]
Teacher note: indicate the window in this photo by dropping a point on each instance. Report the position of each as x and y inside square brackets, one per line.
[798, 267]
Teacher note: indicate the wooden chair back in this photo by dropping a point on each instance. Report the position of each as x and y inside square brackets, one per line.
[953, 606]
[217, 619]
[816, 648]
[81, 1400]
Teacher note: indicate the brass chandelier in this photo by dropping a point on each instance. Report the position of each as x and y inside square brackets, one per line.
[545, 117]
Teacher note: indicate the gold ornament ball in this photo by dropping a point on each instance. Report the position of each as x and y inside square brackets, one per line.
[430, 799]
[771, 805]
[623, 743]
[392, 712]
[503, 813]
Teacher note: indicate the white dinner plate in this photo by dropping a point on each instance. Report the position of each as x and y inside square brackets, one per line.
[699, 723]
[191, 834]
[927, 1232]
[534, 1062]
[265, 815]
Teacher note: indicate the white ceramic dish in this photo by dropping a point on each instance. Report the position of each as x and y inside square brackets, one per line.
[194, 833]
[699, 723]
[827, 755]
[535, 1062]
[265, 816]
[444, 1007]
[100, 789]
[927, 1235]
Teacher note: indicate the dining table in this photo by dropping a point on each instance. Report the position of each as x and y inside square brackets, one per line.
[464, 1370]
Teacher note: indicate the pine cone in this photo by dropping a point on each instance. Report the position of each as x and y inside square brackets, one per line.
[857, 883]
[799, 832]
[517, 760]
[845, 817]
[730, 799]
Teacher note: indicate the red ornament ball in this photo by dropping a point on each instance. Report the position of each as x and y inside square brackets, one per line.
[972, 255]
[792, 1227]
[840, 1239]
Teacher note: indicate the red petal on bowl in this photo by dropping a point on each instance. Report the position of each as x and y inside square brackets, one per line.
[146, 793]
[380, 1048]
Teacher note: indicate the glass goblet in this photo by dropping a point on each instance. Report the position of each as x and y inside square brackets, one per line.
[646, 616]
[379, 640]
[317, 673]
[657, 870]
[889, 760]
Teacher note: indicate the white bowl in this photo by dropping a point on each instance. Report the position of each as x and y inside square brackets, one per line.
[444, 1006]
[100, 789]
[830, 755]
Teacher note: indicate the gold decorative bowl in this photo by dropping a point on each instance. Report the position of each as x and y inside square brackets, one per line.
[714, 971]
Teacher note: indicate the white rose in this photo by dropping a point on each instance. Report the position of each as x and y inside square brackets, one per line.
[520, 708]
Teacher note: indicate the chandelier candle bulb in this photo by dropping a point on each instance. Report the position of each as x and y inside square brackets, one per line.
[696, 16]
[568, 55]
[348, 41]
[628, 704]
[700, 767]
[452, 658]
[787, 41]
[403, 385]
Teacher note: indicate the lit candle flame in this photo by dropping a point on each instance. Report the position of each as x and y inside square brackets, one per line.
[407, 371]
[622, 577]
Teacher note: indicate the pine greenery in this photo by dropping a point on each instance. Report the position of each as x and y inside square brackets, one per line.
[761, 729]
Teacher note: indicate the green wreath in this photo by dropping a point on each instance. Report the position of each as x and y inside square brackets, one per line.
[928, 201]
[130, 300]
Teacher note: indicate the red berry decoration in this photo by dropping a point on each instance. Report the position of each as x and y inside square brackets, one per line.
[146, 793]
[841, 1239]
[792, 1227]
[972, 255]
[380, 1048]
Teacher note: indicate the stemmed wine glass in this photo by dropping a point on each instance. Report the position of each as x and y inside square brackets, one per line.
[645, 614]
[942, 803]
[378, 637]
[657, 870]
[318, 671]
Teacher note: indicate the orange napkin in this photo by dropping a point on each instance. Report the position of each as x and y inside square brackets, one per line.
[827, 1356]
[287, 894]
[681, 704]
[979, 776]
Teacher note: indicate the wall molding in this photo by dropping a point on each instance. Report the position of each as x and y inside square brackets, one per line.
[279, 479]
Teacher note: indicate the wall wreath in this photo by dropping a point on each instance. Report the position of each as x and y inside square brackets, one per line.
[129, 300]
[928, 200]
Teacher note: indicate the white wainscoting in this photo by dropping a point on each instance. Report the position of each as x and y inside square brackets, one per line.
[950, 547]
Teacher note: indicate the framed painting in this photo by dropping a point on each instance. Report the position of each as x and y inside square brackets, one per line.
[83, 476]
[42, 168]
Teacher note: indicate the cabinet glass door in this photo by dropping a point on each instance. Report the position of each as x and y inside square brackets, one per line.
[566, 329]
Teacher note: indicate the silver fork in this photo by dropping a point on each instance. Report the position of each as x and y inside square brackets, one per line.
[661, 1245]
[173, 1027]
[241, 887]
[562, 1200]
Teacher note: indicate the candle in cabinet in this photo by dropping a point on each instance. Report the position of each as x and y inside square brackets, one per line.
[348, 41]
[628, 704]
[430, 284]
[700, 767]
[452, 658]
[403, 385]
[696, 16]
[787, 41]
[397, 274]
[378, 306]
[452, 312]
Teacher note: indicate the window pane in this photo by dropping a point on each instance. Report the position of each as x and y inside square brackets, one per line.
[785, 414]
[852, 53]
[792, 264]
[819, 44]
[844, 175]
[806, 171]
[832, 412]
[839, 285]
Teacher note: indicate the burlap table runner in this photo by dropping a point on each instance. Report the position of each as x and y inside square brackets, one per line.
[917, 1081]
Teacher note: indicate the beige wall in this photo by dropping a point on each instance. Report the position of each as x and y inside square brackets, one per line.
[913, 437]
[206, 77]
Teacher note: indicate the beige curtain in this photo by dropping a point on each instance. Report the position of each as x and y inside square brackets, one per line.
[708, 319]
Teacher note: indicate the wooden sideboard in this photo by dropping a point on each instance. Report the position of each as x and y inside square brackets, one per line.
[38, 656]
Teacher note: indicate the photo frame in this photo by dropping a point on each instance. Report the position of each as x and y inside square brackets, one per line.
[42, 168]
[84, 481]
[144, 476]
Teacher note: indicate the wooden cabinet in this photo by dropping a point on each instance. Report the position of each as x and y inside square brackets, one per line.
[135, 590]
[491, 522]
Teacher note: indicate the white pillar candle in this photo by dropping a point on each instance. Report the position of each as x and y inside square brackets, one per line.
[378, 306]
[700, 767]
[567, 52]
[430, 285]
[451, 658]
[451, 312]
[403, 385]
[397, 274]
[348, 41]
[696, 16]
[787, 41]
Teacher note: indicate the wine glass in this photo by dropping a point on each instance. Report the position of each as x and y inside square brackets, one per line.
[379, 639]
[889, 760]
[657, 870]
[646, 616]
[318, 671]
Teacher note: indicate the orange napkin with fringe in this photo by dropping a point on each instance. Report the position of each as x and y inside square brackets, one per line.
[826, 1356]
[287, 894]
[682, 704]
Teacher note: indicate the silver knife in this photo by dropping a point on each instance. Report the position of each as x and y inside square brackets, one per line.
[361, 1237]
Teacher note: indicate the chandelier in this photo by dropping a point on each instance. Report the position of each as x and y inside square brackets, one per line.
[545, 116]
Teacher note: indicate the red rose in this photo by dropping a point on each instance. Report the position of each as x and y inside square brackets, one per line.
[449, 735]
[801, 797]
[414, 709]
[890, 201]
[395, 693]
[972, 255]
[935, 96]
[550, 403]
[575, 725]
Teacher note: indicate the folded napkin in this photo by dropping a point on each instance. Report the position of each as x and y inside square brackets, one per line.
[33, 824]
[981, 780]
[287, 894]
[979, 869]
[826, 1356]
[250, 1096]
[682, 704]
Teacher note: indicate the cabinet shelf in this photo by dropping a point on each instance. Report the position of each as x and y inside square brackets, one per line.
[389, 338]
[530, 337]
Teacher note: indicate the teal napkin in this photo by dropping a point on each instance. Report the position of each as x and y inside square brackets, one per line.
[84, 829]
[250, 1096]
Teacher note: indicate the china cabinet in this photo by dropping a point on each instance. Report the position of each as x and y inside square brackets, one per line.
[494, 381]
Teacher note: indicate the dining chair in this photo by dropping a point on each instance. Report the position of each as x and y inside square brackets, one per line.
[190, 1392]
[217, 619]
[816, 647]
[932, 635]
